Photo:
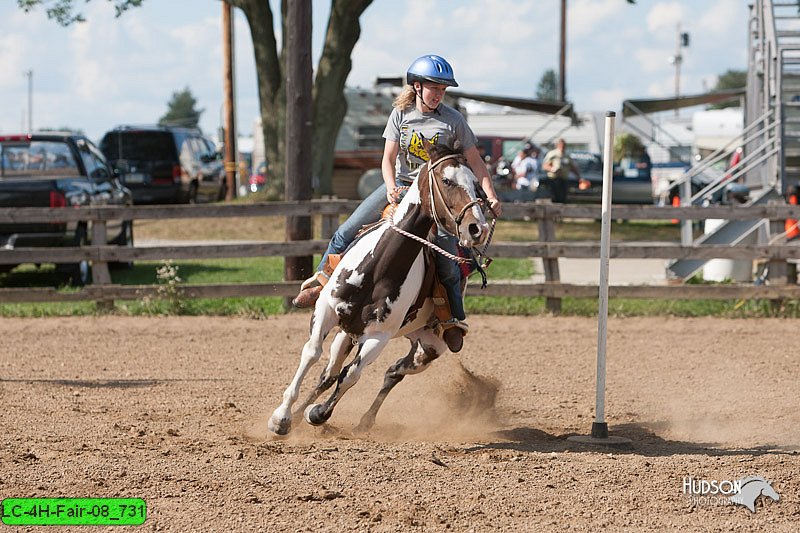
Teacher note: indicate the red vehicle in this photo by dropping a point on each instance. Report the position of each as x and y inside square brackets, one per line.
[258, 179]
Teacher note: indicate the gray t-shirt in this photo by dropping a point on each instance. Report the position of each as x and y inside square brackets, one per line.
[444, 126]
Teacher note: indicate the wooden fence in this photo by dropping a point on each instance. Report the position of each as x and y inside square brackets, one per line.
[543, 218]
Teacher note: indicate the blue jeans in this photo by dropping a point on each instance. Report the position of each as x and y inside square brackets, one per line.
[368, 212]
[450, 273]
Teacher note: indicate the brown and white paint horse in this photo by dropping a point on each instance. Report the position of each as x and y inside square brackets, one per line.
[375, 285]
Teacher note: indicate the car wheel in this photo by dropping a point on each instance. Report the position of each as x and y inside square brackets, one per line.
[125, 239]
[193, 192]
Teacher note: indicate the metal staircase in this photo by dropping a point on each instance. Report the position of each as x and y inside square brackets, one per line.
[771, 137]
[786, 20]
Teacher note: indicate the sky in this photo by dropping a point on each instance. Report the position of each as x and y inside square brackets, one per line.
[109, 71]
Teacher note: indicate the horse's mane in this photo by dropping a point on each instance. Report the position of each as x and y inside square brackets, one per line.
[437, 151]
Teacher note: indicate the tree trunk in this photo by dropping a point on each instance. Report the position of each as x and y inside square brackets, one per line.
[298, 129]
[330, 106]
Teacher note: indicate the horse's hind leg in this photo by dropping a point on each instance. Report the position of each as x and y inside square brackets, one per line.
[369, 349]
[281, 420]
[340, 348]
[417, 360]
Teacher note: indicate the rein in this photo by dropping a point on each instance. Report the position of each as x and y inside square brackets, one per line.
[435, 187]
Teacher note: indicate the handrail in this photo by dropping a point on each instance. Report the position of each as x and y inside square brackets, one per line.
[711, 188]
[712, 159]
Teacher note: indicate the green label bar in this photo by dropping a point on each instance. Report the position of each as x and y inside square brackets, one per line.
[74, 511]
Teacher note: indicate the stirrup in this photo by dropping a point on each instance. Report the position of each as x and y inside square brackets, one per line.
[455, 323]
[319, 278]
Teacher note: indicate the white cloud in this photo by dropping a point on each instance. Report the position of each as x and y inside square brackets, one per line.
[585, 17]
[609, 99]
[110, 71]
[719, 18]
[651, 60]
[665, 15]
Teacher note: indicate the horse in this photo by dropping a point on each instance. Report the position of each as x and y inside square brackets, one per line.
[378, 281]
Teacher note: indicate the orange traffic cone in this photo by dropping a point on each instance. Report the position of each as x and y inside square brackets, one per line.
[676, 202]
[790, 226]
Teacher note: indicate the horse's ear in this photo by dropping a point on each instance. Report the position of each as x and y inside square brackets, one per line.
[428, 145]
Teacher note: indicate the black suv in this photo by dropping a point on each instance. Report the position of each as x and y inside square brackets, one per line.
[163, 164]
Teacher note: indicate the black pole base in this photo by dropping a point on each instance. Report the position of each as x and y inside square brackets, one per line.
[600, 437]
[600, 430]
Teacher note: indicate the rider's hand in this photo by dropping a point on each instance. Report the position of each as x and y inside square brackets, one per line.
[393, 195]
[496, 206]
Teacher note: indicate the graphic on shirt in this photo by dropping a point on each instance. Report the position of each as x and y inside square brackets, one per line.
[416, 147]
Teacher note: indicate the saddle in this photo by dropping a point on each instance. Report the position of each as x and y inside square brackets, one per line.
[431, 286]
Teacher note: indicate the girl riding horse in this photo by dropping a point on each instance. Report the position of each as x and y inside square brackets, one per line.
[374, 286]
[418, 114]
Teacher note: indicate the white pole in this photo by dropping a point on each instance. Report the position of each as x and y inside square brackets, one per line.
[600, 428]
[30, 101]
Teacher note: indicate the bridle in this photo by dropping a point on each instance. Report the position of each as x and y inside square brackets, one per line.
[435, 186]
[436, 193]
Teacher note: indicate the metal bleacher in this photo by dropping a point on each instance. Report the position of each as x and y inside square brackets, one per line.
[771, 136]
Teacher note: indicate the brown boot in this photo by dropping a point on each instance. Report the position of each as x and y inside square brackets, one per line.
[307, 297]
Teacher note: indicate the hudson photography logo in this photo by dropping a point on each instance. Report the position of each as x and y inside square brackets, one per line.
[713, 492]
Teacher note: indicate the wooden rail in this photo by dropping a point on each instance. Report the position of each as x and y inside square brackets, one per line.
[543, 215]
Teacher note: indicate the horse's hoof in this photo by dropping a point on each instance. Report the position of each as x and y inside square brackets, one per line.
[362, 429]
[280, 426]
[314, 415]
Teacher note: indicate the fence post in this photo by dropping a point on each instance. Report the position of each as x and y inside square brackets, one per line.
[547, 233]
[100, 273]
[329, 223]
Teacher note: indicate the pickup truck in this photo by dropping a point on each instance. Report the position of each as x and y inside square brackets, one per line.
[58, 170]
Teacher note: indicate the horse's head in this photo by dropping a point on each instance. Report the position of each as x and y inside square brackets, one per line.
[751, 488]
[449, 183]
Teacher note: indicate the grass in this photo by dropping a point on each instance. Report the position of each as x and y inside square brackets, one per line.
[266, 269]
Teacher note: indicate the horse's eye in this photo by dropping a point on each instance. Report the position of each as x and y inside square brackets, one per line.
[448, 182]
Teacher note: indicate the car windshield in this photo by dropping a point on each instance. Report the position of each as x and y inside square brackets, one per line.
[37, 158]
[140, 146]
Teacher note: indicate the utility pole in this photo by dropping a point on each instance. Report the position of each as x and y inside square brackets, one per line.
[298, 131]
[677, 59]
[29, 74]
[562, 62]
[230, 109]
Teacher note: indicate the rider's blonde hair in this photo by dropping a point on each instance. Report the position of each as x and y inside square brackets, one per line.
[407, 98]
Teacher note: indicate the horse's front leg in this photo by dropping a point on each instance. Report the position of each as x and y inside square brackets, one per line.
[281, 420]
[424, 350]
[368, 351]
[340, 348]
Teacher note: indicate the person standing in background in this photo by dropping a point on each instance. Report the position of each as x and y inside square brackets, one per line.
[558, 164]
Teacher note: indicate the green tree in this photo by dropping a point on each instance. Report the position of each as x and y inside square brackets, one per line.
[329, 105]
[328, 100]
[730, 79]
[628, 145]
[548, 86]
[181, 110]
[62, 10]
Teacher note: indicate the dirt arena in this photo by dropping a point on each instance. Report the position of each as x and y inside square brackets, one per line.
[174, 410]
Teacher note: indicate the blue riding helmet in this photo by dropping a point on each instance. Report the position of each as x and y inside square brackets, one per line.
[431, 68]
